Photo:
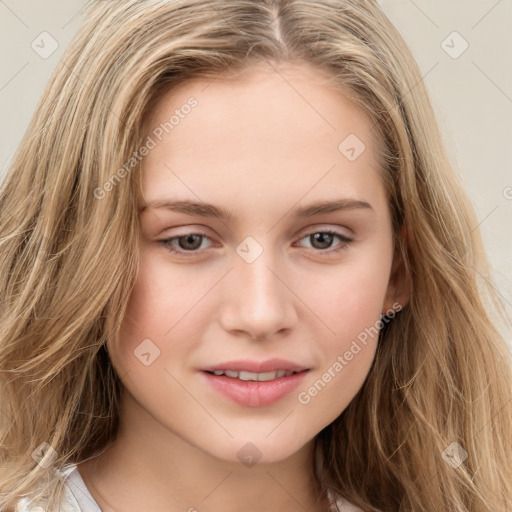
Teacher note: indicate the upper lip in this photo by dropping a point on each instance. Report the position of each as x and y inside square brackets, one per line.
[269, 365]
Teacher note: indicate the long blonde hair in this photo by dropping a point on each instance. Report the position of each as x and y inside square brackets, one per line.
[441, 377]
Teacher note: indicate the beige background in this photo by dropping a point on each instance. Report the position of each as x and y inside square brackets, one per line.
[471, 91]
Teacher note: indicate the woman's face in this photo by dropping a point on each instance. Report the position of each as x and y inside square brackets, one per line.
[245, 182]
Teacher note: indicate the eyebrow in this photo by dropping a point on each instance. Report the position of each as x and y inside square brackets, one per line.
[209, 210]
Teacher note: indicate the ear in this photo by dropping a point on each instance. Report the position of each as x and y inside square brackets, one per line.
[398, 291]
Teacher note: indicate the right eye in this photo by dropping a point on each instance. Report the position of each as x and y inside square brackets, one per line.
[190, 242]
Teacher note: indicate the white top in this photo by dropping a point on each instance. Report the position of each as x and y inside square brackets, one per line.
[77, 497]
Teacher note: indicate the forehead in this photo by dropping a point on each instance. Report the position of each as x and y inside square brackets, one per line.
[283, 128]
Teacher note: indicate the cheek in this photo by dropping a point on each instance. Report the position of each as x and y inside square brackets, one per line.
[155, 309]
[162, 296]
[351, 308]
[351, 297]
[346, 359]
[167, 306]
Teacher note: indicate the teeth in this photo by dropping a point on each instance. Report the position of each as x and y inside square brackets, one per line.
[270, 375]
[263, 376]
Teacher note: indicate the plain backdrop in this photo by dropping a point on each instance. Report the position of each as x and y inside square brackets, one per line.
[463, 48]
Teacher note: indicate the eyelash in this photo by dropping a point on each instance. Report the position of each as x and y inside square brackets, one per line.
[340, 247]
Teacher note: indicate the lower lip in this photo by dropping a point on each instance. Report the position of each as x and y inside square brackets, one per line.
[255, 393]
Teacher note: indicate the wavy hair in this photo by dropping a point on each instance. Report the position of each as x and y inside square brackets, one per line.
[69, 254]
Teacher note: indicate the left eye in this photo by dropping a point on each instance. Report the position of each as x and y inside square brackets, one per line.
[326, 237]
[190, 242]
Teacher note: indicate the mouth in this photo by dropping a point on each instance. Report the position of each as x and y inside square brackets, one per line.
[253, 376]
[253, 384]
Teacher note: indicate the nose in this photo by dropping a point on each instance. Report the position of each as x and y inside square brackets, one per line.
[259, 302]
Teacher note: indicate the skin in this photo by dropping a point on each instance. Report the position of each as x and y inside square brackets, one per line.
[260, 146]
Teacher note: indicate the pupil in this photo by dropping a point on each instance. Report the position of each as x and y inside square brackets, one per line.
[320, 237]
[190, 239]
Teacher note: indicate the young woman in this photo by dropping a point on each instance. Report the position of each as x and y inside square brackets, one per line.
[238, 273]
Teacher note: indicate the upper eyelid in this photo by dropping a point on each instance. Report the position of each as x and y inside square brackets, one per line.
[303, 234]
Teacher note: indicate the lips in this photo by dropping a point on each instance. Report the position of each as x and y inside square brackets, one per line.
[254, 376]
[253, 383]
[270, 365]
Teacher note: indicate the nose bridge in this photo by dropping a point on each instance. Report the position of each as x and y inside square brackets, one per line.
[255, 269]
[260, 302]
[257, 276]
